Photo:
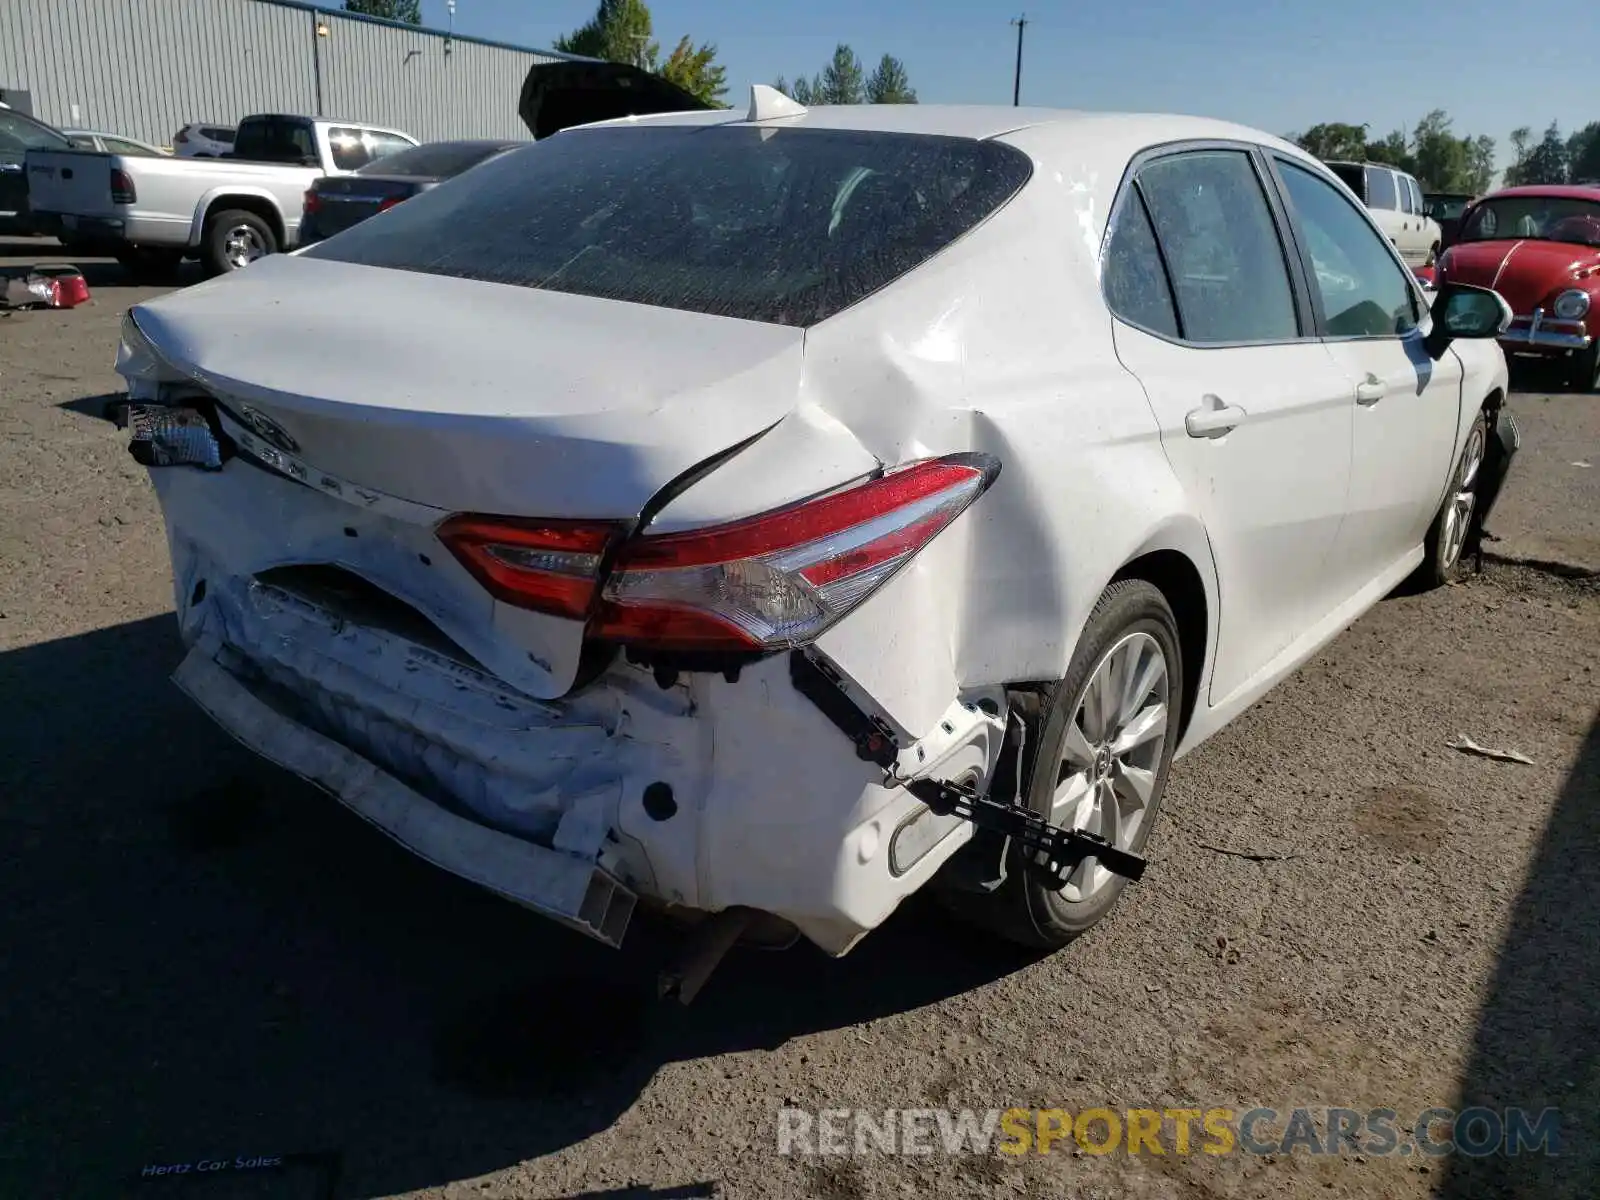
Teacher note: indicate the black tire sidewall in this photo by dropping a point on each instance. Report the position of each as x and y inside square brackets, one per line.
[1438, 573]
[216, 259]
[1130, 606]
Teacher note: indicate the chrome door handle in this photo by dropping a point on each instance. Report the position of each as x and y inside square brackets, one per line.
[1213, 419]
[1370, 390]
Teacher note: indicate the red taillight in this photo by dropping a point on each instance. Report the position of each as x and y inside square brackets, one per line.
[764, 583]
[550, 566]
[389, 202]
[122, 189]
[313, 202]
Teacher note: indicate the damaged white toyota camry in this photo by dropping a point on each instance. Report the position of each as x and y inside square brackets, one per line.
[776, 511]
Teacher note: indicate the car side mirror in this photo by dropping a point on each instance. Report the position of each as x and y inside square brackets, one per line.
[1461, 310]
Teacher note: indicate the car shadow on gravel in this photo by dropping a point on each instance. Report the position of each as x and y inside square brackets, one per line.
[207, 958]
[1537, 1045]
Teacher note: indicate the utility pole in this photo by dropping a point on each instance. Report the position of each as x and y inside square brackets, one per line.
[1016, 86]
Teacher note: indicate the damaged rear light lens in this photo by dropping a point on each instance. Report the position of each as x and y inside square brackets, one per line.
[782, 578]
[549, 566]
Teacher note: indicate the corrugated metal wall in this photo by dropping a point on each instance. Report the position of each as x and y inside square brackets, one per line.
[148, 67]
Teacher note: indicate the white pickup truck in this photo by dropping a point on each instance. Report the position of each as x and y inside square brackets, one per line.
[151, 213]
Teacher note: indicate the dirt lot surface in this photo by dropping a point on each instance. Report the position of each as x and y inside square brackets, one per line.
[207, 962]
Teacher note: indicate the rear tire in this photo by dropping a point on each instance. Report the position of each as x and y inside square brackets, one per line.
[1583, 370]
[233, 239]
[1130, 640]
[1456, 525]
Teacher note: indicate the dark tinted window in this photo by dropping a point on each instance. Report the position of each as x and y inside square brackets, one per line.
[1222, 247]
[437, 160]
[1380, 189]
[785, 226]
[1365, 292]
[1354, 176]
[1136, 285]
[276, 139]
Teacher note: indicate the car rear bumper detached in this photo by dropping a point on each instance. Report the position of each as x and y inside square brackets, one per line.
[703, 796]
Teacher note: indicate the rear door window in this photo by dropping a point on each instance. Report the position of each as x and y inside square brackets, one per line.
[1381, 191]
[1222, 247]
[780, 225]
[1136, 285]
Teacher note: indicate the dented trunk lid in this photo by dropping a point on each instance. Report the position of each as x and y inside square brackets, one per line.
[475, 397]
[374, 403]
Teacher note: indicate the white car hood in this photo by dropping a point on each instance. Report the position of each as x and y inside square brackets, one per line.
[480, 397]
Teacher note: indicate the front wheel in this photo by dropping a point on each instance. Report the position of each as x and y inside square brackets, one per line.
[1108, 732]
[234, 239]
[1457, 519]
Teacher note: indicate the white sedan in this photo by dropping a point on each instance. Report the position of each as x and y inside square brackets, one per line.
[776, 512]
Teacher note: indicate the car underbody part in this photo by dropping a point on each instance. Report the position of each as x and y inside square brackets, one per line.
[706, 946]
[1055, 852]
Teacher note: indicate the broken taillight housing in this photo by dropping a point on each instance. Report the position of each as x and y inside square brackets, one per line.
[764, 583]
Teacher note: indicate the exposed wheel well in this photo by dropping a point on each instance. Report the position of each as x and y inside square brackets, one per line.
[1179, 581]
[1494, 402]
[258, 205]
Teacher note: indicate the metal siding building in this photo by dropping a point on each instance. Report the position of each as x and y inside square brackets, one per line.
[148, 67]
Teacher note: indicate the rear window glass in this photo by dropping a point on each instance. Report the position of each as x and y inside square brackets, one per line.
[1380, 189]
[440, 160]
[1354, 177]
[781, 226]
[276, 139]
[217, 134]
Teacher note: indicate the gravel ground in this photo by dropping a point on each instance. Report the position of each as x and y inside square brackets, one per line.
[205, 959]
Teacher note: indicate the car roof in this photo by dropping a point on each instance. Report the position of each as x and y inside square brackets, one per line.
[979, 122]
[1554, 191]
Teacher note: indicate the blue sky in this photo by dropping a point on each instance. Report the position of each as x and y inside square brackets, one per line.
[1279, 66]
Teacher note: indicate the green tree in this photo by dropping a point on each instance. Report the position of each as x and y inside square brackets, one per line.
[1480, 165]
[1333, 142]
[1583, 154]
[623, 31]
[1543, 163]
[695, 70]
[409, 11]
[890, 84]
[843, 80]
[1394, 151]
[1441, 158]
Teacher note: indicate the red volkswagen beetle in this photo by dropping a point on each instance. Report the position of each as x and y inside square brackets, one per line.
[1539, 247]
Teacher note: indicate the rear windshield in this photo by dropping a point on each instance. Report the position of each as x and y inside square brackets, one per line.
[782, 226]
[439, 160]
[276, 139]
[1354, 176]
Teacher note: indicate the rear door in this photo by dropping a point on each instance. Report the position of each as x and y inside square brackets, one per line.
[1214, 321]
[1406, 406]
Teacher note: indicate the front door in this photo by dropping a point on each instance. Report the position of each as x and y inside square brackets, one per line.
[1254, 412]
[1405, 405]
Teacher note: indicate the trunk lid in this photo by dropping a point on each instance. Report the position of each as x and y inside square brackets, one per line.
[477, 397]
[346, 200]
[70, 181]
[558, 95]
[1524, 271]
